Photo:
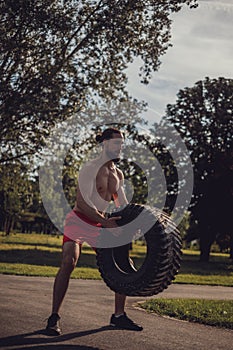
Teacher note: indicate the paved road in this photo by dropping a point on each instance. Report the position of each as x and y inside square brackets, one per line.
[26, 301]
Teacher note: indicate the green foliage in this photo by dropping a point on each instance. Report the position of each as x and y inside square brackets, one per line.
[184, 225]
[217, 313]
[203, 117]
[15, 193]
[58, 56]
[20, 201]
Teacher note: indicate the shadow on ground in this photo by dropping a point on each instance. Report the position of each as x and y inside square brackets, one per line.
[42, 257]
[45, 342]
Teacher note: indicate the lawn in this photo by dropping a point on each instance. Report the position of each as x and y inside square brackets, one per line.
[209, 312]
[40, 255]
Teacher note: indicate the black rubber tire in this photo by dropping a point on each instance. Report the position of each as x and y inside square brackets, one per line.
[161, 263]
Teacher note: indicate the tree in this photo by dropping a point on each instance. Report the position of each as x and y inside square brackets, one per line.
[57, 57]
[15, 193]
[203, 116]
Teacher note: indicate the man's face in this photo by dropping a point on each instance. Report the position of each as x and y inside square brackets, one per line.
[113, 147]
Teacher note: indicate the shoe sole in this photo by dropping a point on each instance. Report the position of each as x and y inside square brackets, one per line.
[127, 329]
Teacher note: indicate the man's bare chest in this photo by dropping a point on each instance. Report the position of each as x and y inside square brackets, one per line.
[107, 181]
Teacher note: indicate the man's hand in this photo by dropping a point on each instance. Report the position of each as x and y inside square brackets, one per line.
[111, 224]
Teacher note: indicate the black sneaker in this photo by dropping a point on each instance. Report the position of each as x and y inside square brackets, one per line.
[53, 326]
[124, 322]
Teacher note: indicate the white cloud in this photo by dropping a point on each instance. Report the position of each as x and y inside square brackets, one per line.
[202, 46]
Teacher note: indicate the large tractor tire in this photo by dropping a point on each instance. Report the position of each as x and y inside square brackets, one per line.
[161, 263]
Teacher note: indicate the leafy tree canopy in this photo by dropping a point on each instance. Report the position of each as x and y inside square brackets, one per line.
[58, 56]
[203, 116]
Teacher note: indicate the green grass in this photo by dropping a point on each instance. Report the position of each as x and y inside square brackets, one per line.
[218, 271]
[209, 312]
[53, 241]
[46, 271]
[40, 255]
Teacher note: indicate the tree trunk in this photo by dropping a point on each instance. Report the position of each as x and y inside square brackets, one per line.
[231, 247]
[205, 245]
[8, 225]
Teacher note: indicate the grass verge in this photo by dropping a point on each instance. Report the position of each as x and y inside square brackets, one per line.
[47, 271]
[208, 312]
[40, 255]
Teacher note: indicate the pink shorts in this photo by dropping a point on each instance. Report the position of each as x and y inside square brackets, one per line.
[79, 228]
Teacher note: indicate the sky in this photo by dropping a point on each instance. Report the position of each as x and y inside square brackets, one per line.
[202, 42]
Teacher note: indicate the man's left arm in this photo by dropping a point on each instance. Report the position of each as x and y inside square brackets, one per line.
[120, 197]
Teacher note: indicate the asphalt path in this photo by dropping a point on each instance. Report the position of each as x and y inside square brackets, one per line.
[26, 303]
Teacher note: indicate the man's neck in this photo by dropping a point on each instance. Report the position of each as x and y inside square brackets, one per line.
[105, 161]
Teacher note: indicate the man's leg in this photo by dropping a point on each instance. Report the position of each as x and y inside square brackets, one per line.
[120, 319]
[119, 304]
[70, 255]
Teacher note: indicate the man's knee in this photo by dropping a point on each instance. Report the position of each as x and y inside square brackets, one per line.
[70, 256]
[68, 263]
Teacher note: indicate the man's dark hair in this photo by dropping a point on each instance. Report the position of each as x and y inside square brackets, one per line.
[107, 134]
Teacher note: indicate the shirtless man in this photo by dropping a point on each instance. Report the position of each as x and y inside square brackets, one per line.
[99, 181]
